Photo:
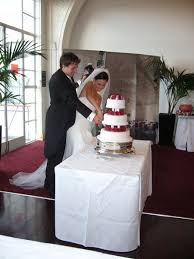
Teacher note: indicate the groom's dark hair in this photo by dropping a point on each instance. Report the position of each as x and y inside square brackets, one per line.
[68, 58]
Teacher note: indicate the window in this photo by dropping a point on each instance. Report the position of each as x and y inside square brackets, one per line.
[28, 23]
[28, 7]
[11, 12]
[21, 23]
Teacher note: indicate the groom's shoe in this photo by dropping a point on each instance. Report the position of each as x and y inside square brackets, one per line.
[50, 186]
[50, 190]
[51, 194]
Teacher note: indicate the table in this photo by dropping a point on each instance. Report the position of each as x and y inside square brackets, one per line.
[99, 200]
[184, 137]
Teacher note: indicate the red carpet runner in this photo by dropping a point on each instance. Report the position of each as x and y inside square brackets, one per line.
[173, 177]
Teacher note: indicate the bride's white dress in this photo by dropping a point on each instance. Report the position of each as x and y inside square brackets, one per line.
[78, 137]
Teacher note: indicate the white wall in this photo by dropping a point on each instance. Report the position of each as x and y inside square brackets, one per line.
[135, 26]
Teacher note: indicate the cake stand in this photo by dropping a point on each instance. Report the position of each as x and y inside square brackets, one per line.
[114, 148]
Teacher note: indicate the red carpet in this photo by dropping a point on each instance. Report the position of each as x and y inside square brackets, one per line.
[173, 177]
[25, 159]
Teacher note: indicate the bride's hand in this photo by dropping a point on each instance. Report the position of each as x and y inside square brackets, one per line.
[97, 119]
[100, 115]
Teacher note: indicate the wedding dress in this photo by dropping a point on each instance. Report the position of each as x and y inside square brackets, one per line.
[78, 137]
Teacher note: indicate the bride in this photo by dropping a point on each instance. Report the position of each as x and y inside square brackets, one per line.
[93, 92]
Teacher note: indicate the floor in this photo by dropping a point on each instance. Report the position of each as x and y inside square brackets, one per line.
[172, 177]
[33, 218]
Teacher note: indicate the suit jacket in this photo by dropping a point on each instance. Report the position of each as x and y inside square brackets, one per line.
[62, 111]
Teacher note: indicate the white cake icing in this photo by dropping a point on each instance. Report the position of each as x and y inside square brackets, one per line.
[118, 137]
[115, 120]
[115, 136]
[115, 104]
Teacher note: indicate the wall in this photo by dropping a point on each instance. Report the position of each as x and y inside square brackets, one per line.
[142, 27]
[130, 26]
[123, 78]
[128, 78]
[147, 93]
[135, 26]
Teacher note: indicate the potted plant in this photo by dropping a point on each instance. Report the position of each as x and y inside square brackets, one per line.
[177, 85]
[9, 52]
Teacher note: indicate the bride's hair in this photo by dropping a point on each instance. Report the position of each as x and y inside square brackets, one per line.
[102, 75]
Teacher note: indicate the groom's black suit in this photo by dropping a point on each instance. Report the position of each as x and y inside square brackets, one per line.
[59, 118]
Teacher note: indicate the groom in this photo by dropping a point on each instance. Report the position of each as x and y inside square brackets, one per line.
[61, 114]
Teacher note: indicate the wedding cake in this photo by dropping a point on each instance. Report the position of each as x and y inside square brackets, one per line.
[115, 136]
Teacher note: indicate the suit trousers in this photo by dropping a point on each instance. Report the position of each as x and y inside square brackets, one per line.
[52, 161]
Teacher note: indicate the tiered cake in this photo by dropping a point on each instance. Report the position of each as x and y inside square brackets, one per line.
[115, 136]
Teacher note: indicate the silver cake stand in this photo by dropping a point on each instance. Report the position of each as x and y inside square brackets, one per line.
[114, 148]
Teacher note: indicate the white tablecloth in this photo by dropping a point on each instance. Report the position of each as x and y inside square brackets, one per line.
[15, 248]
[184, 137]
[99, 200]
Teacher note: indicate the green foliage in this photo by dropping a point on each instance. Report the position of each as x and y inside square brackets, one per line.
[177, 84]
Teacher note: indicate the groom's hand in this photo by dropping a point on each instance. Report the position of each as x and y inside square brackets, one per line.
[97, 119]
